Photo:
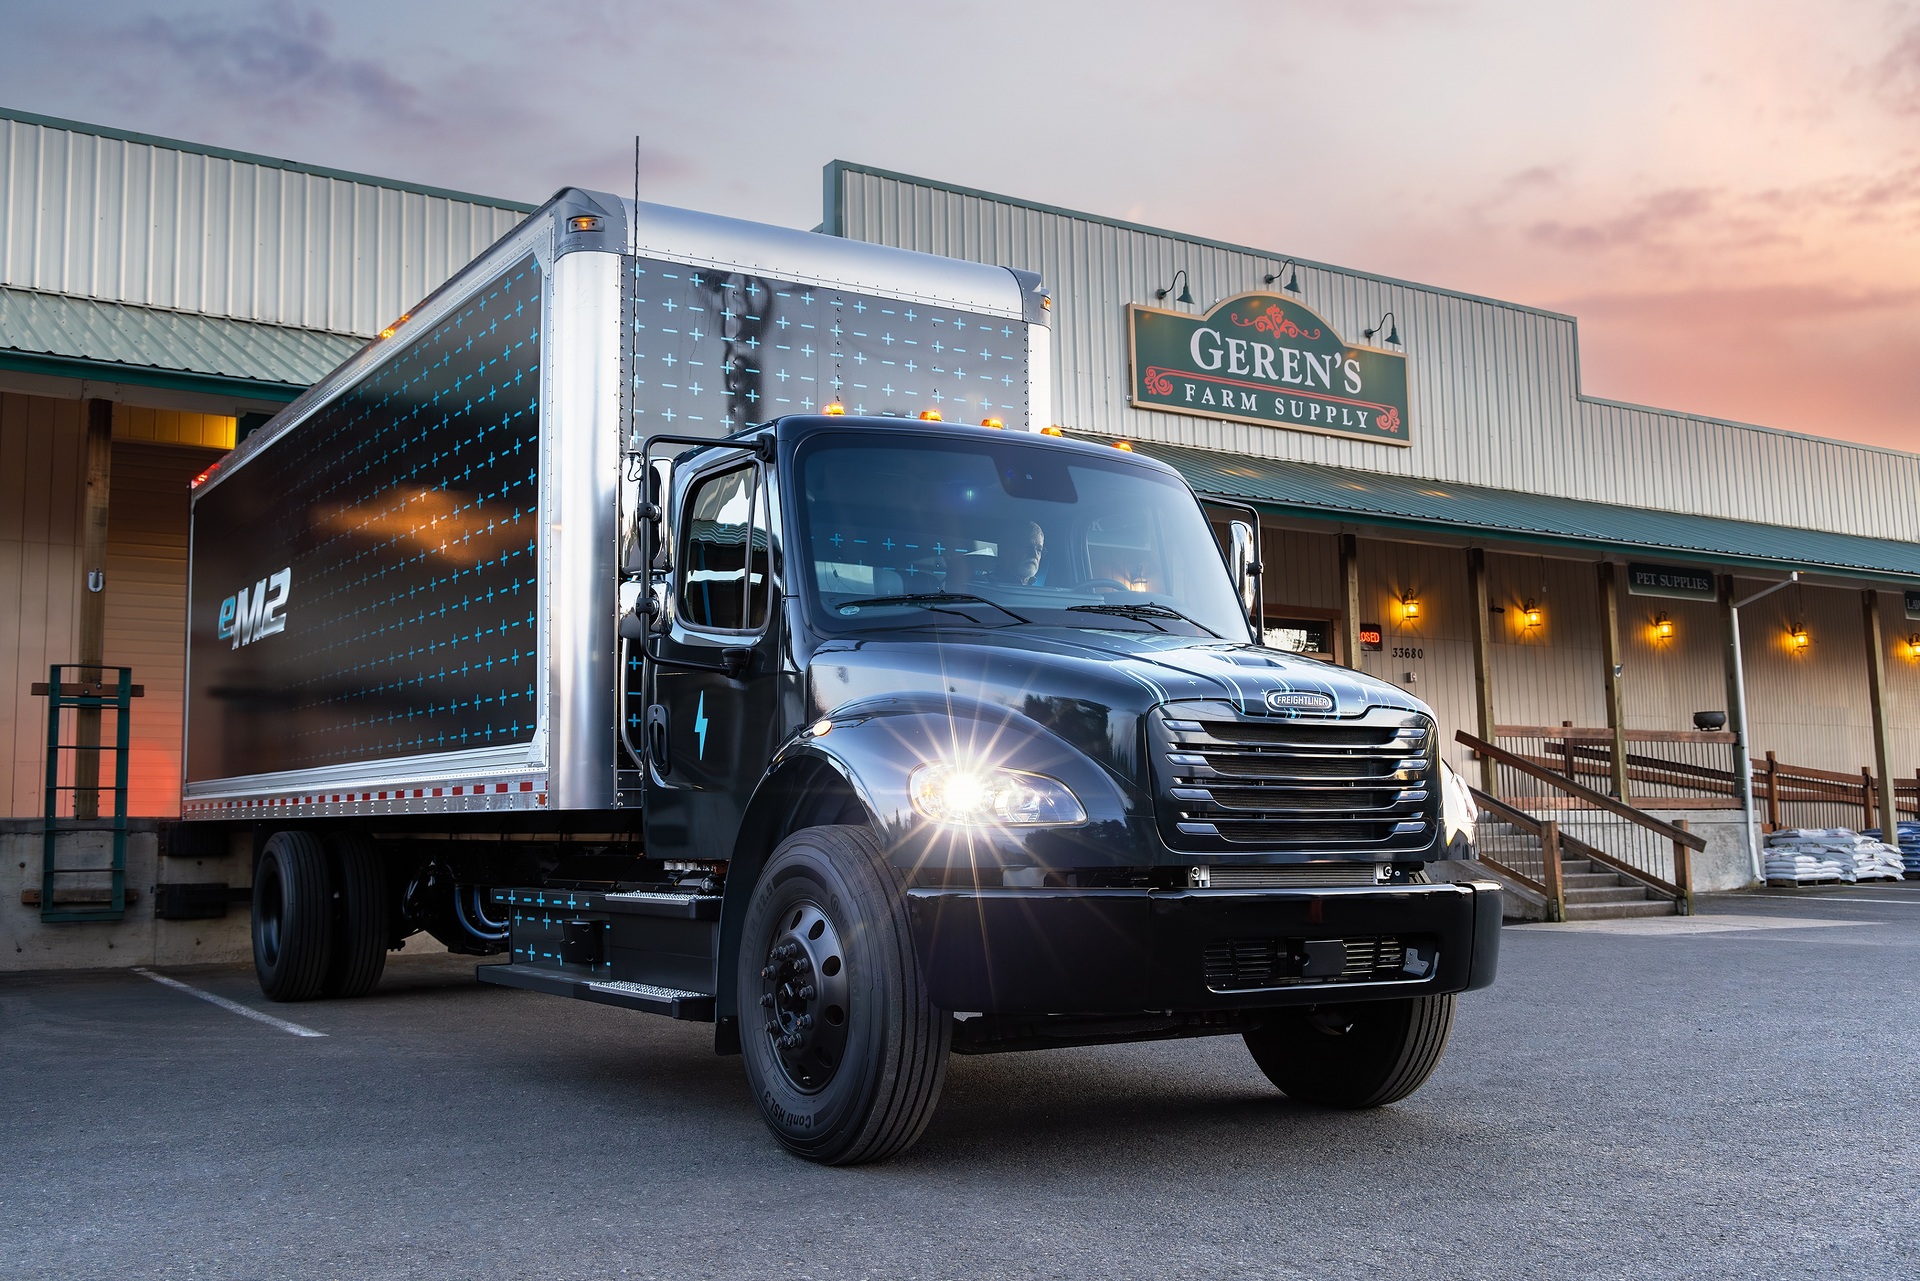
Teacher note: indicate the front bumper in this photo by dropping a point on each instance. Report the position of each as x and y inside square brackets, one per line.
[1124, 951]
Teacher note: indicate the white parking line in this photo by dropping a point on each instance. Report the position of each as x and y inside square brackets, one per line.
[225, 1004]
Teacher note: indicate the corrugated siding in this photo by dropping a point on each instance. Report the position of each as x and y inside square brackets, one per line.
[42, 467]
[1493, 387]
[135, 222]
[147, 608]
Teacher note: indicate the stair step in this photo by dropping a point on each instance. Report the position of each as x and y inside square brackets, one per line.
[1589, 880]
[1615, 911]
[1610, 894]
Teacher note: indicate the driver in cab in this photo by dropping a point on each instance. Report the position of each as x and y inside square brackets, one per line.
[1015, 561]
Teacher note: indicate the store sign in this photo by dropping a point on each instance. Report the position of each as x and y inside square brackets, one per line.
[1913, 604]
[1370, 637]
[1267, 359]
[1679, 582]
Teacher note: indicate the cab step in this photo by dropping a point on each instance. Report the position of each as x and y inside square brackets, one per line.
[648, 998]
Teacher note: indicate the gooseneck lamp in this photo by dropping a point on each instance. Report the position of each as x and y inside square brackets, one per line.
[1179, 278]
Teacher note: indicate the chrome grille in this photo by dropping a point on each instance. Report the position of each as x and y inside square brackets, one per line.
[1298, 784]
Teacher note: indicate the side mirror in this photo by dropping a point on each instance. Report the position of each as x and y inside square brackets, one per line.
[1243, 562]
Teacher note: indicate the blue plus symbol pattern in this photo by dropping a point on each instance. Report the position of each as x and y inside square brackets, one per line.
[407, 510]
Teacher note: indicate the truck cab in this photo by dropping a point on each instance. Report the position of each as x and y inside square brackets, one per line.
[968, 739]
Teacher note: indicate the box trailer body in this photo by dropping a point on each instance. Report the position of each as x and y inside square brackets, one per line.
[707, 617]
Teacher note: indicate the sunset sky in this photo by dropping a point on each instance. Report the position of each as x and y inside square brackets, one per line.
[1727, 195]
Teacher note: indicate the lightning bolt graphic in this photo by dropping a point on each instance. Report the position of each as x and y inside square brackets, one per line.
[700, 723]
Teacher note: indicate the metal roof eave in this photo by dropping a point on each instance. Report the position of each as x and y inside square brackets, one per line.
[1205, 476]
[107, 371]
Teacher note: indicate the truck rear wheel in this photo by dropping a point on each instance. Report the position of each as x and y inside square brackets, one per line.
[292, 917]
[359, 917]
[844, 1053]
[1362, 1055]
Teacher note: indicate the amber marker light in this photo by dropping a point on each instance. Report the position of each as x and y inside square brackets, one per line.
[394, 328]
[1125, 446]
[994, 423]
[835, 408]
[931, 415]
[1663, 627]
[1052, 431]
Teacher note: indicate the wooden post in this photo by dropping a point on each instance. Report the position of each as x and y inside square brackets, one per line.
[1683, 871]
[1773, 792]
[1550, 871]
[1350, 599]
[1610, 655]
[92, 640]
[1877, 688]
[1481, 608]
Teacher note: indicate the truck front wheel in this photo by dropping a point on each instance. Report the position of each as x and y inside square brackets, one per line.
[844, 1053]
[1362, 1055]
[292, 917]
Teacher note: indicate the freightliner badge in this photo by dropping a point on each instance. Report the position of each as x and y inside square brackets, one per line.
[1267, 359]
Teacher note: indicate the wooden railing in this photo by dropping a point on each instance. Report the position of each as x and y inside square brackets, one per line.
[1796, 796]
[1593, 825]
[1542, 876]
[1667, 769]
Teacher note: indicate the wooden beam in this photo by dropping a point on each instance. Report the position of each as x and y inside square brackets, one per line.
[92, 638]
[1610, 656]
[1350, 599]
[1877, 688]
[1481, 609]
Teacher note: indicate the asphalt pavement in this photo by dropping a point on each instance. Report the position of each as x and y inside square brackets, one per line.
[1731, 1095]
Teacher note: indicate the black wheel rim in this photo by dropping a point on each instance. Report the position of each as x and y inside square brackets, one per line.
[803, 997]
[268, 910]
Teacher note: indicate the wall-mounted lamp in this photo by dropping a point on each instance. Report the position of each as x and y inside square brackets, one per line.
[1410, 607]
[1532, 612]
[1386, 323]
[1179, 278]
[1913, 645]
[1663, 626]
[1293, 276]
[1798, 640]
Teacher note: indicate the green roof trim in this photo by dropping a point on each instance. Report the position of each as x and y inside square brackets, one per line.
[120, 342]
[1469, 511]
[252, 158]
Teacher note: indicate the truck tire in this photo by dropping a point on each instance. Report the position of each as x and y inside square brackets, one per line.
[359, 917]
[292, 917]
[844, 1052]
[1362, 1055]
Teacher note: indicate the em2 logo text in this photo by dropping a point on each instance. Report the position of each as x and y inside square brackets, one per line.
[257, 611]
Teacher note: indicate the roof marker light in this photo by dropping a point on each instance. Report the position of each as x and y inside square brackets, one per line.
[994, 423]
[931, 415]
[1126, 445]
[835, 408]
[1051, 431]
[394, 328]
[583, 222]
[203, 477]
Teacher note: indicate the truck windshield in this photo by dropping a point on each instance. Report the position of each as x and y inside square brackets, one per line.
[925, 531]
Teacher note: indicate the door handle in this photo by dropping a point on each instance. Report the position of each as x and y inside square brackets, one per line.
[658, 743]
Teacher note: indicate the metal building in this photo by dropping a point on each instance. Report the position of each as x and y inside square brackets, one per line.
[1553, 572]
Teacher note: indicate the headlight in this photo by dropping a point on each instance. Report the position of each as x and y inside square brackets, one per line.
[949, 793]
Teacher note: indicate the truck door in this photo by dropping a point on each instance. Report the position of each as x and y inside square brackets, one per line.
[713, 720]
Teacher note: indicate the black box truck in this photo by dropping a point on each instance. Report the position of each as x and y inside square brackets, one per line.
[706, 618]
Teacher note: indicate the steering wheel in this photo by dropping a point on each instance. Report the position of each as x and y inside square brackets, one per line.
[1093, 583]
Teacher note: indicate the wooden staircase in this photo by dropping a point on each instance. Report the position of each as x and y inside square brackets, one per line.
[1590, 891]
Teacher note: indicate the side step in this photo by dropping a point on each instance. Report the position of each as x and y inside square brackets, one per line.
[675, 1004]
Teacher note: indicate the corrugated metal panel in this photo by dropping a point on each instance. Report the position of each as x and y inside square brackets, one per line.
[1465, 509]
[124, 218]
[115, 333]
[42, 469]
[1493, 387]
[146, 624]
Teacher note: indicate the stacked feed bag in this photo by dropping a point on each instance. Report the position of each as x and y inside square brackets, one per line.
[1803, 856]
[1908, 834]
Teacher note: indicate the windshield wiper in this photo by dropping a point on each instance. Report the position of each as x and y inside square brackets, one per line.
[1145, 611]
[935, 601]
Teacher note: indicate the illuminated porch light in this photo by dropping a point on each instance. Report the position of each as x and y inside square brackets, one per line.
[1913, 645]
[1663, 626]
[1532, 612]
[1798, 640]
